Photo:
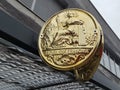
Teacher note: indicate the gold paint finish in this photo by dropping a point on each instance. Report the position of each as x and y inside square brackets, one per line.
[71, 40]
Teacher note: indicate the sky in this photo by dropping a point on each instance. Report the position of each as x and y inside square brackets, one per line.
[110, 10]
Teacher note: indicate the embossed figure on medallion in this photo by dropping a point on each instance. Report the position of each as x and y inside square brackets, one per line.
[68, 39]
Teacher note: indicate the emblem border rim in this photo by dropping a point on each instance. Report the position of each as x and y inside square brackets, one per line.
[75, 66]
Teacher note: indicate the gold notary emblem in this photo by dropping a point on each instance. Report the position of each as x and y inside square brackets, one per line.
[72, 40]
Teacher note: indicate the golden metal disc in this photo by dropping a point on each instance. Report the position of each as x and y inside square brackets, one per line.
[69, 39]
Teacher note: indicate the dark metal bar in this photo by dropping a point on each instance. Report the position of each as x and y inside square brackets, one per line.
[62, 3]
[18, 33]
[100, 79]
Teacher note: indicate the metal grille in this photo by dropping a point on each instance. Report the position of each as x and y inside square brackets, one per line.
[20, 71]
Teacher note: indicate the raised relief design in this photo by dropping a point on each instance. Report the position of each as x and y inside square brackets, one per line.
[69, 38]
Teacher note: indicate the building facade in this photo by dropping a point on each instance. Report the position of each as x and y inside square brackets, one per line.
[20, 66]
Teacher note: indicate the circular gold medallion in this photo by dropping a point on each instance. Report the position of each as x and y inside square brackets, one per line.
[69, 39]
